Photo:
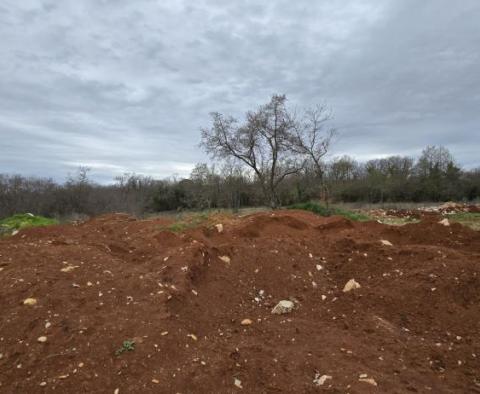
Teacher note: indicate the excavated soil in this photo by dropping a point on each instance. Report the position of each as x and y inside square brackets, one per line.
[412, 327]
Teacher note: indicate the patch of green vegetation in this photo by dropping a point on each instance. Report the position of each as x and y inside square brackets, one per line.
[127, 346]
[322, 210]
[397, 221]
[24, 220]
[469, 219]
[191, 221]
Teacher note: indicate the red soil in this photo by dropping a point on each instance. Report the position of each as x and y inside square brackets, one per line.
[413, 326]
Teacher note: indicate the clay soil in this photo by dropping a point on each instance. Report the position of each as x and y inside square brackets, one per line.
[412, 327]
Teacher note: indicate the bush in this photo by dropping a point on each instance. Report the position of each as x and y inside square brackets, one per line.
[329, 211]
[20, 221]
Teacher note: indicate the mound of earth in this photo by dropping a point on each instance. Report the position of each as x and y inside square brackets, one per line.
[119, 305]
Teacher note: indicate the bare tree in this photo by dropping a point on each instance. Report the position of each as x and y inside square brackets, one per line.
[313, 135]
[271, 142]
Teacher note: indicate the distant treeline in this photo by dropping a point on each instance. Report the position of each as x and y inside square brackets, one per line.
[434, 176]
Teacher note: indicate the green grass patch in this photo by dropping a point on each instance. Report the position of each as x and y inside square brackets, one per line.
[469, 219]
[23, 220]
[322, 210]
[188, 222]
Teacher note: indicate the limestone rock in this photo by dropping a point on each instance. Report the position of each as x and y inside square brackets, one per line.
[320, 380]
[352, 284]
[225, 259]
[30, 301]
[444, 222]
[369, 381]
[284, 306]
[237, 383]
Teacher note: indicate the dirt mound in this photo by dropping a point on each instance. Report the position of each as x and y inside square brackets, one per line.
[121, 304]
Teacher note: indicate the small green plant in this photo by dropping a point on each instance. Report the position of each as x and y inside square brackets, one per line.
[127, 346]
[24, 220]
[191, 221]
[329, 211]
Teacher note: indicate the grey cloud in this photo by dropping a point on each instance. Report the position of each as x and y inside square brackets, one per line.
[125, 86]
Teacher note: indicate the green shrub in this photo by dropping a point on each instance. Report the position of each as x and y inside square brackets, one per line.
[23, 220]
[322, 210]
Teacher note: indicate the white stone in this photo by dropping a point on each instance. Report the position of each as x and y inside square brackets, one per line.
[225, 259]
[30, 301]
[351, 285]
[386, 242]
[369, 381]
[219, 227]
[444, 222]
[284, 306]
[320, 380]
[237, 383]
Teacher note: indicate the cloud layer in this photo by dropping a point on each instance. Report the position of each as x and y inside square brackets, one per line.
[125, 86]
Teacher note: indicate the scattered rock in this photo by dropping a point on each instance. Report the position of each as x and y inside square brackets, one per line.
[444, 222]
[225, 259]
[219, 227]
[237, 383]
[42, 339]
[30, 301]
[193, 336]
[43, 384]
[246, 322]
[352, 284]
[320, 380]
[116, 391]
[284, 306]
[386, 242]
[369, 381]
[156, 381]
[69, 268]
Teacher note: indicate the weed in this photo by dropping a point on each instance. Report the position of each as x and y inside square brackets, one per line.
[190, 222]
[127, 346]
[330, 211]
[20, 221]
[470, 219]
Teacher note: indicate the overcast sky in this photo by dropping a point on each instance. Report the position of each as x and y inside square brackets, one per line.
[121, 85]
